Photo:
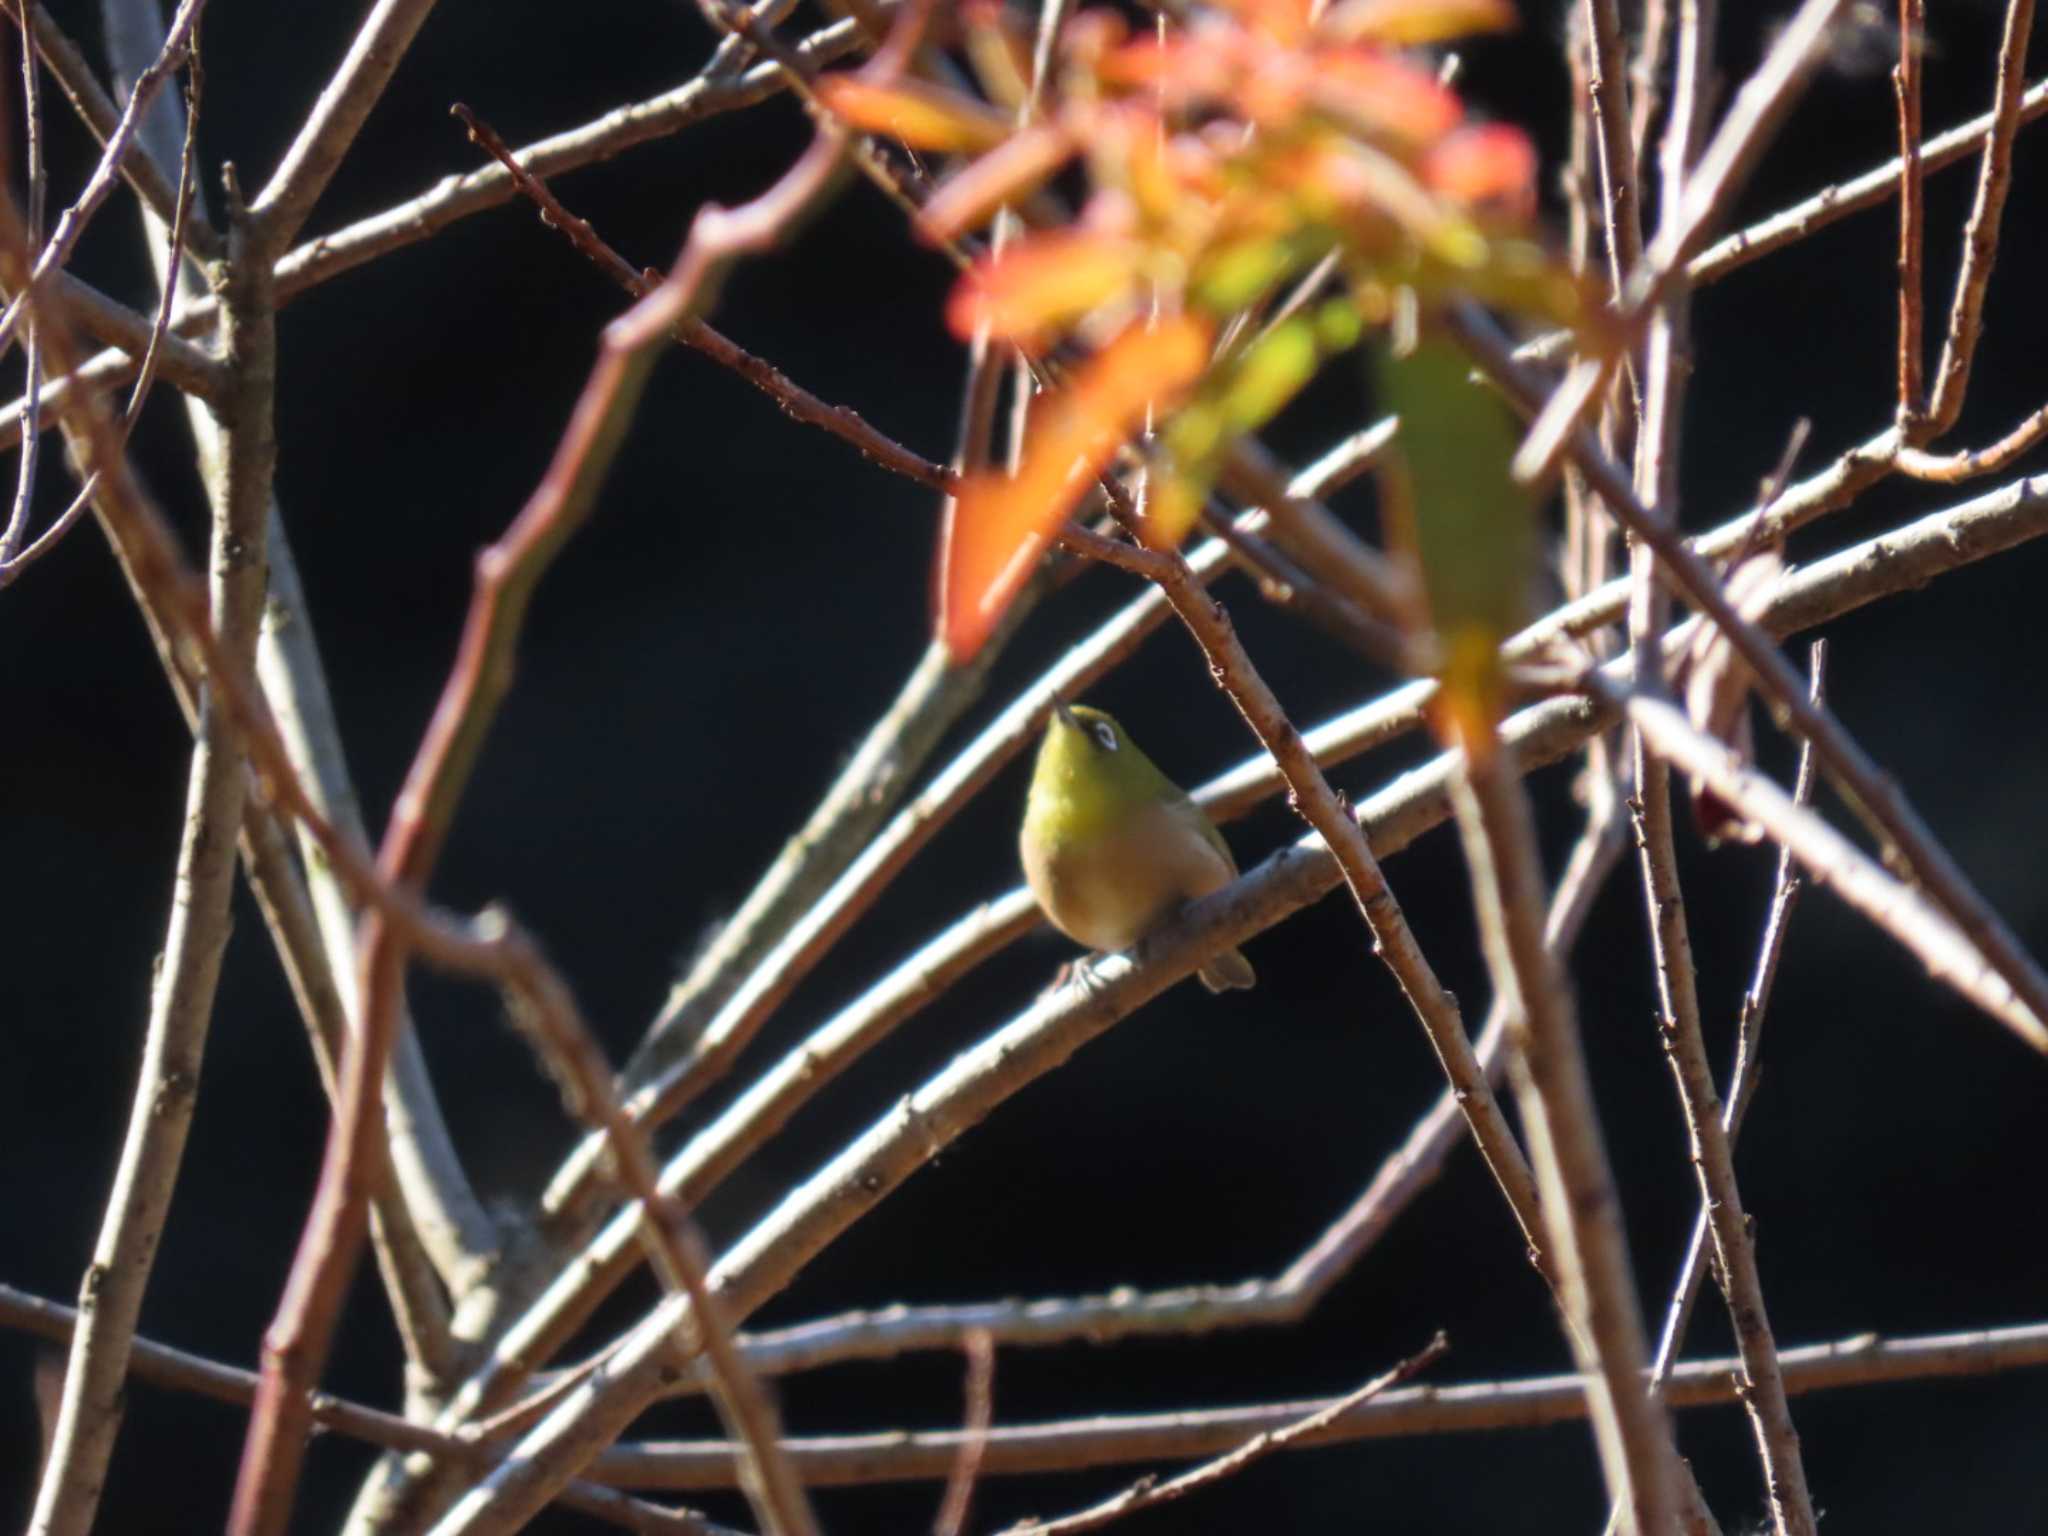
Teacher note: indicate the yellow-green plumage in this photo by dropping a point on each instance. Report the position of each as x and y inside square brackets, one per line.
[1112, 847]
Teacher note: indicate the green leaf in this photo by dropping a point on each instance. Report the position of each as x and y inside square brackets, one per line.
[1464, 522]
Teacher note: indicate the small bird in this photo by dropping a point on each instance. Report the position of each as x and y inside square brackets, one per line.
[1112, 847]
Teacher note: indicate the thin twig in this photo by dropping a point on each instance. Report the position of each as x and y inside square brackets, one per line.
[979, 1346]
[1834, 861]
[182, 1000]
[177, 1370]
[16, 529]
[380, 43]
[71, 224]
[1763, 1395]
[1874, 796]
[1393, 940]
[149, 178]
[556, 1025]
[1742, 1079]
[1912, 219]
[1752, 118]
[179, 231]
[1620, 190]
[875, 1164]
[1980, 235]
[1581, 1213]
[1119, 1439]
[295, 1347]
[1872, 187]
[1950, 468]
[1813, 595]
[1149, 1491]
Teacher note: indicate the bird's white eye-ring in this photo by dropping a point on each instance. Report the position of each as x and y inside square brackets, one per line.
[1106, 734]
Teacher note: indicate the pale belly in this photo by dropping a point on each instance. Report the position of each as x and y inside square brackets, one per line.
[1125, 884]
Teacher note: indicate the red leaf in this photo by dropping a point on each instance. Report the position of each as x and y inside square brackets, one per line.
[1493, 164]
[1384, 95]
[1039, 284]
[999, 526]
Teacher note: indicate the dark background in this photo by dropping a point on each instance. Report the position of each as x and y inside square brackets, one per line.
[703, 656]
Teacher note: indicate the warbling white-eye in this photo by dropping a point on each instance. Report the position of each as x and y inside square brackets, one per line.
[1112, 847]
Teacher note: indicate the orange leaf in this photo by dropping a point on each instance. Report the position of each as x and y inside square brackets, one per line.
[1004, 174]
[1040, 283]
[1285, 21]
[921, 115]
[1384, 95]
[998, 526]
[1415, 23]
[1492, 164]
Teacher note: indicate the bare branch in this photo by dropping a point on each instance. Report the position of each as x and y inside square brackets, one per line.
[1835, 862]
[280, 209]
[177, 1370]
[1980, 235]
[571, 1053]
[979, 1346]
[1581, 1213]
[1149, 1492]
[1621, 192]
[182, 1002]
[1811, 596]
[1874, 796]
[1119, 1439]
[1754, 115]
[1912, 218]
[140, 168]
[1742, 1080]
[71, 224]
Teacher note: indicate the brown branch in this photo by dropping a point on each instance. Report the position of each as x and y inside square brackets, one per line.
[1875, 797]
[179, 232]
[1581, 1212]
[1621, 191]
[841, 421]
[1763, 1397]
[1742, 1079]
[1949, 468]
[182, 1000]
[180, 1371]
[636, 1371]
[1312, 797]
[565, 1043]
[16, 529]
[96, 109]
[1980, 234]
[979, 1346]
[1813, 595]
[1912, 218]
[296, 1345]
[1874, 186]
[71, 224]
[1149, 1492]
[345, 102]
[1834, 861]
[1116, 1440]
[1754, 115]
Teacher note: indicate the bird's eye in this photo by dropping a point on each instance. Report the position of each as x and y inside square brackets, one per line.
[1106, 734]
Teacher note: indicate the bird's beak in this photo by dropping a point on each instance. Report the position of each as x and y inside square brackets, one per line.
[1065, 715]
